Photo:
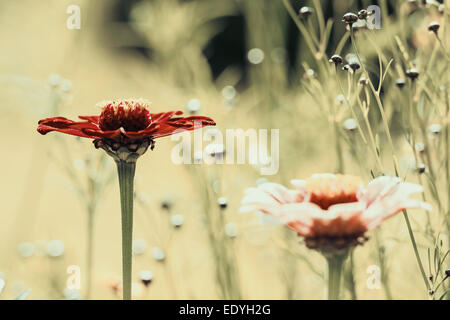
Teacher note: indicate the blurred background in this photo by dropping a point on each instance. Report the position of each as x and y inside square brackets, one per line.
[247, 64]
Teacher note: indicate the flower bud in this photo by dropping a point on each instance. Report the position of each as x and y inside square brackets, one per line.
[400, 83]
[421, 168]
[362, 14]
[336, 59]
[146, 277]
[223, 203]
[434, 27]
[350, 18]
[412, 73]
[305, 12]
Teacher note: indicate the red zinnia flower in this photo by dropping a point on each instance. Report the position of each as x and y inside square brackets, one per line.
[125, 130]
[124, 121]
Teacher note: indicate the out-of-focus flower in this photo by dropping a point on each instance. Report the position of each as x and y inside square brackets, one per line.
[333, 212]
[66, 85]
[193, 106]
[2, 285]
[177, 220]
[54, 80]
[126, 123]
[55, 248]
[231, 230]
[222, 202]
[420, 147]
[305, 12]
[139, 246]
[26, 249]
[435, 129]
[72, 294]
[167, 203]
[146, 277]
[255, 56]
[350, 125]
[158, 254]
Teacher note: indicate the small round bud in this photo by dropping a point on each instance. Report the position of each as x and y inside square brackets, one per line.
[434, 26]
[362, 14]
[139, 246]
[336, 59]
[447, 273]
[412, 73]
[420, 147]
[55, 248]
[346, 67]
[177, 220]
[166, 204]
[305, 12]
[158, 254]
[222, 202]
[193, 106]
[362, 81]
[350, 125]
[146, 277]
[400, 83]
[435, 129]
[350, 18]
[421, 168]
[310, 74]
[354, 65]
[231, 230]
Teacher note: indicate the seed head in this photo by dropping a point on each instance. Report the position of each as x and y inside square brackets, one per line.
[420, 147]
[350, 125]
[305, 12]
[146, 277]
[447, 273]
[400, 83]
[177, 220]
[223, 203]
[412, 73]
[336, 59]
[350, 18]
[434, 27]
[421, 168]
[362, 14]
[354, 65]
[363, 81]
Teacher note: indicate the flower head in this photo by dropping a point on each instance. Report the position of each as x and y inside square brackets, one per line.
[333, 212]
[126, 123]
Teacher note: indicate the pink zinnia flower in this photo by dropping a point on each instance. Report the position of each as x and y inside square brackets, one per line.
[334, 211]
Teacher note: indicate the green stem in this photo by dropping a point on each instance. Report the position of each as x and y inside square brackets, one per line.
[416, 251]
[335, 266]
[90, 248]
[126, 172]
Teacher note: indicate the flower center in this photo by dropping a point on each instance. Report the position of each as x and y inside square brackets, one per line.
[327, 189]
[132, 115]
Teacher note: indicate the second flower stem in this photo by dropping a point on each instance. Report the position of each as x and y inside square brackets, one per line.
[126, 171]
[335, 266]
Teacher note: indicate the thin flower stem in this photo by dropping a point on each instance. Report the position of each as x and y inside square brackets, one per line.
[335, 266]
[386, 127]
[416, 251]
[90, 248]
[126, 172]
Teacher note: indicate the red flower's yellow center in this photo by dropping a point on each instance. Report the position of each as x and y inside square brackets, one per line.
[131, 115]
[327, 190]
